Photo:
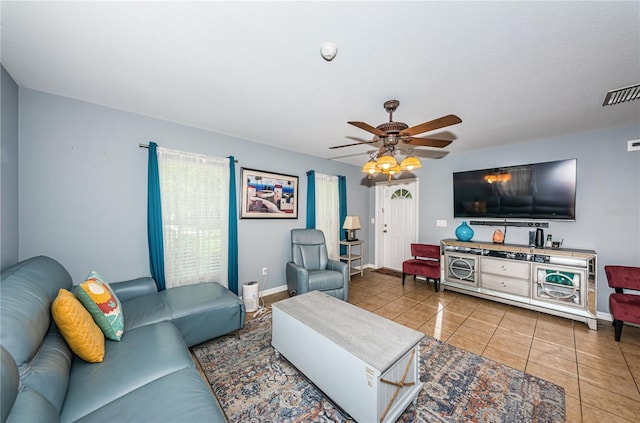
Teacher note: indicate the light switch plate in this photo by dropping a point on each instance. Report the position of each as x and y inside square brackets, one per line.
[441, 223]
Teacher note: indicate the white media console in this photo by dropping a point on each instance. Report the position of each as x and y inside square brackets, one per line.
[561, 282]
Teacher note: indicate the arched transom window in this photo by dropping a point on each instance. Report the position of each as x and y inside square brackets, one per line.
[401, 194]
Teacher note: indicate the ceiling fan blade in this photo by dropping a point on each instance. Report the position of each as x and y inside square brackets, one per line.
[427, 154]
[427, 142]
[360, 142]
[432, 124]
[349, 145]
[344, 156]
[368, 128]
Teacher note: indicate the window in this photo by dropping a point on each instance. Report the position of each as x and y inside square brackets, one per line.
[328, 212]
[401, 194]
[195, 202]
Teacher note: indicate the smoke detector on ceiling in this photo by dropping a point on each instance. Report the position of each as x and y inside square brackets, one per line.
[328, 51]
[621, 95]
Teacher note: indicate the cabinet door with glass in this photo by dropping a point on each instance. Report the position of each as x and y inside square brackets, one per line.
[560, 285]
[461, 268]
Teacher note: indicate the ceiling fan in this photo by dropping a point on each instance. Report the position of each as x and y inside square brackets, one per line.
[392, 135]
[394, 132]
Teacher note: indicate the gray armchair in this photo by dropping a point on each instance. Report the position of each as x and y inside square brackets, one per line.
[311, 269]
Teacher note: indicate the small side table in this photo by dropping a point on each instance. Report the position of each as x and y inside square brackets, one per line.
[350, 256]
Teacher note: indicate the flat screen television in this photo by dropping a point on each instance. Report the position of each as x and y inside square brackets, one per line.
[530, 191]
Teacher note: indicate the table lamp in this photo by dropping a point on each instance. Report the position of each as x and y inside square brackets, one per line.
[351, 223]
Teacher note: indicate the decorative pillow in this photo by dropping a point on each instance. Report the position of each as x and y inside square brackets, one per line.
[77, 327]
[98, 298]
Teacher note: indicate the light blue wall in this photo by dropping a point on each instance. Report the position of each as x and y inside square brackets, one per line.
[83, 190]
[607, 203]
[83, 187]
[9, 198]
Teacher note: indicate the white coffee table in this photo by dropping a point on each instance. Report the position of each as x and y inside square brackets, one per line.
[366, 364]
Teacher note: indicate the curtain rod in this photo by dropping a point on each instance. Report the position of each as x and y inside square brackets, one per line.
[141, 145]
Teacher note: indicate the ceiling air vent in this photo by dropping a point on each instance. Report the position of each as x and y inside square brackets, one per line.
[621, 95]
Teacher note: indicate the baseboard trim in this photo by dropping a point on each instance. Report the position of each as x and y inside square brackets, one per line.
[274, 290]
[600, 315]
[281, 288]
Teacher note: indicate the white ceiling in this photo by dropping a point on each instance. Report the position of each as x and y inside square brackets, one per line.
[513, 71]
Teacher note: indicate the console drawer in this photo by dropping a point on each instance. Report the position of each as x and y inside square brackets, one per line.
[504, 284]
[512, 269]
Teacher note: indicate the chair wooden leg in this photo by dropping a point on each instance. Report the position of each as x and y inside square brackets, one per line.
[436, 284]
[403, 275]
[618, 324]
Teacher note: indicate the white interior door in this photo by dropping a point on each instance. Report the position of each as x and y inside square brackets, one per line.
[397, 217]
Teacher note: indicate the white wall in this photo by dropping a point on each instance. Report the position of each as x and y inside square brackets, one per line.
[83, 182]
[607, 199]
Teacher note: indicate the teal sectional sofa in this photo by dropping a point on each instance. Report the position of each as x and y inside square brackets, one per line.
[149, 375]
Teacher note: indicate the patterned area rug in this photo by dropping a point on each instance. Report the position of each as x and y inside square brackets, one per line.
[254, 386]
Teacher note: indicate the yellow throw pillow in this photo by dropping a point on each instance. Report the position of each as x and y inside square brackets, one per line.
[77, 327]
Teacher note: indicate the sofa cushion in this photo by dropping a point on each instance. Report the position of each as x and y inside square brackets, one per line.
[184, 398]
[78, 328]
[98, 298]
[21, 403]
[143, 355]
[10, 383]
[31, 406]
[26, 293]
[48, 372]
[322, 280]
[200, 312]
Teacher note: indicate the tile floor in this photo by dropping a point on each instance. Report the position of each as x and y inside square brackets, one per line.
[601, 377]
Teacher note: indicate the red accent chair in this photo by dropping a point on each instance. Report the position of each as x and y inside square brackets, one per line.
[425, 262]
[624, 307]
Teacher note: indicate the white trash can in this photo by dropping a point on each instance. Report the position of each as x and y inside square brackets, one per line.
[250, 295]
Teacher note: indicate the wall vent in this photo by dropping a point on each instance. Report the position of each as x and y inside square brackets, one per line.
[621, 95]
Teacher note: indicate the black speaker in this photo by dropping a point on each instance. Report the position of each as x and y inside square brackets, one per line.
[539, 238]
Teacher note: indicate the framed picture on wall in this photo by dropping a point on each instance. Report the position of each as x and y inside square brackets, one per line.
[268, 195]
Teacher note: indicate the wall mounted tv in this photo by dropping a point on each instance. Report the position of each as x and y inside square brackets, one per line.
[531, 191]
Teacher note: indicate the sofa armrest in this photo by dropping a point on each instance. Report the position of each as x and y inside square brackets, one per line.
[339, 266]
[127, 290]
[297, 278]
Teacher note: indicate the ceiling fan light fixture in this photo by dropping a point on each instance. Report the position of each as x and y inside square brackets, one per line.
[386, 161]
[370, 167]
[410, 163]
[398, 137]
[393, 170]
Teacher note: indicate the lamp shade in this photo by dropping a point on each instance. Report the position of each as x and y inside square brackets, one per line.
[351, 222]
[410, 163]
[393, 170]
[370, 167]
[386, 161]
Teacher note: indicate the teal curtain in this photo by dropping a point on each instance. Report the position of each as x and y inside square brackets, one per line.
[342, 197]
[232, 264]
[154, 219]
[311, 199]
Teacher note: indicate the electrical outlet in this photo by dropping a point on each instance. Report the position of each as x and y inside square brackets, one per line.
[264, 271]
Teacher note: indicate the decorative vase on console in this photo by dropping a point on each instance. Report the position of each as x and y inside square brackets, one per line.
[464, 232]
